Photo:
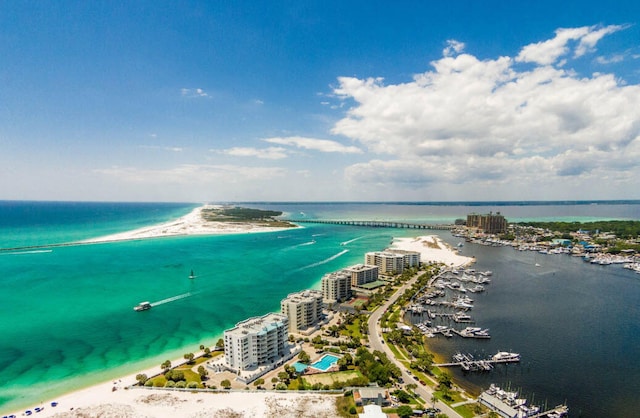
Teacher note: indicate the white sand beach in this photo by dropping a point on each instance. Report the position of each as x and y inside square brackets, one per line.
[117, 399]
[101, 401]
[432, 248]
[190, 224]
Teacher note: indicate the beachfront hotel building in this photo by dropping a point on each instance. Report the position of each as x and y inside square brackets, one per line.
[489, 223]
[336, 287]
[362, 274]
[256, 341]
[388, 262]
[303, 310]
[409, 258]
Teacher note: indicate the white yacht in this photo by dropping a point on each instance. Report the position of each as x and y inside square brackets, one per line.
[505, 356]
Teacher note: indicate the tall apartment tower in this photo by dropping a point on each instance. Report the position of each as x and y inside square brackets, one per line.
[362, 274]
[256, 341]
[387, 262]
[490, 223]
[303, 309]
[336, 287]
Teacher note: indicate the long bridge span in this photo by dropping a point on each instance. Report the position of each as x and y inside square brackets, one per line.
[376, 224]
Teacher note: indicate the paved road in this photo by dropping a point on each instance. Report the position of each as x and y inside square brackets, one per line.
[376, 343]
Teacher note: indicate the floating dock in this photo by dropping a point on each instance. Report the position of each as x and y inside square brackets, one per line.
[467, 363]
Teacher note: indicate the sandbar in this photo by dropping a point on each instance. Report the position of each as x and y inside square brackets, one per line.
[432, 249]
[190, 224]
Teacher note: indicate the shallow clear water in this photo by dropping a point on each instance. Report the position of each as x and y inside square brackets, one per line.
[67, 321]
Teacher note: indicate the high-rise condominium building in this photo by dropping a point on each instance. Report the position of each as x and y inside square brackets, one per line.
[303, 309]
[256, 341]
[336, 287]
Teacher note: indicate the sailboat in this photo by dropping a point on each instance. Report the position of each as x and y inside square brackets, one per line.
[192, 275]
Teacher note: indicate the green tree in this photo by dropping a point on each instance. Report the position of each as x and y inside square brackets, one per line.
[258, 382]
[444, 380]
[175, 375]
[404, 411]
[166, 365]
[403, 396]
[303, 357]
[220, 344]
[284, 377]
[225, 384]
[141, 378]
[202, 372]
[189, 357]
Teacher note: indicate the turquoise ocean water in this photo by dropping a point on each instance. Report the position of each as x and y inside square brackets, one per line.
[66, 315]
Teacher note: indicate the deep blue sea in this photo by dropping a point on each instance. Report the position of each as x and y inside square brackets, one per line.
[66, 313]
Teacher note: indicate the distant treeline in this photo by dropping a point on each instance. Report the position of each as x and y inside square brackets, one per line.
[239, 214]
[622, 229]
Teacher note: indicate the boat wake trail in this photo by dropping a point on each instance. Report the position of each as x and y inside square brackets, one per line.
[319, 263]
[28, 252]
[174, 298]
[350, 241]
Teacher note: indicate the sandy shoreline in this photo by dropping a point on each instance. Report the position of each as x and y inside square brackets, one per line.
[115, 398]
[432, 248]
[190, 224]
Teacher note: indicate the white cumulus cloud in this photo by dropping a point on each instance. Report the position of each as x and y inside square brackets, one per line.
[472, 121]
[270, 153]
[583, 40]
[193, 93]
[322, 145]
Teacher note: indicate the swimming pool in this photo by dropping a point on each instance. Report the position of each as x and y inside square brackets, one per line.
[325, 362]
[300, 367]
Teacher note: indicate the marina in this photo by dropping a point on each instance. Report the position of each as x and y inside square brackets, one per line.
[509, 404]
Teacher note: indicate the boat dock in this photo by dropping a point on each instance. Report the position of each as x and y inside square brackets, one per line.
[507, 404]
[469, 364]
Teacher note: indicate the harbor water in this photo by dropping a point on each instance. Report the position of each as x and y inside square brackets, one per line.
[67, 320]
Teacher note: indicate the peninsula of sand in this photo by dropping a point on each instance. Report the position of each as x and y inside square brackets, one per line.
[194, 223]
[118, 397]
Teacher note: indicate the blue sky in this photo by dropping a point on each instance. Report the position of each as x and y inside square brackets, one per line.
[327, 100]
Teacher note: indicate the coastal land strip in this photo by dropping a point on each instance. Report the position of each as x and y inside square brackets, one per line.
[118, 397]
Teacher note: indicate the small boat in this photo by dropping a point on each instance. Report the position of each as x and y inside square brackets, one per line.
[142, 306]
[192, 275]
[505, 356]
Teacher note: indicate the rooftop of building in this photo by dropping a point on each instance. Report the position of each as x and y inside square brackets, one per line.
[360, 267]
[258, 324]
[304, 295]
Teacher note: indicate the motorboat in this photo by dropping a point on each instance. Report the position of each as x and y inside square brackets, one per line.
[142, 306]
[505, 356]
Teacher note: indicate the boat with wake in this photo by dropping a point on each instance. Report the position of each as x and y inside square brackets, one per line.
[142, 306]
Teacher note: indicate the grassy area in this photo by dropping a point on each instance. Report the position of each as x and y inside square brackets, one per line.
[329, 378]
[466, 411]
[353, 329]
[345, 404]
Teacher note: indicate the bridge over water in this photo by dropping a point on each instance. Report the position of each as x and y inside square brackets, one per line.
[376, 224]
